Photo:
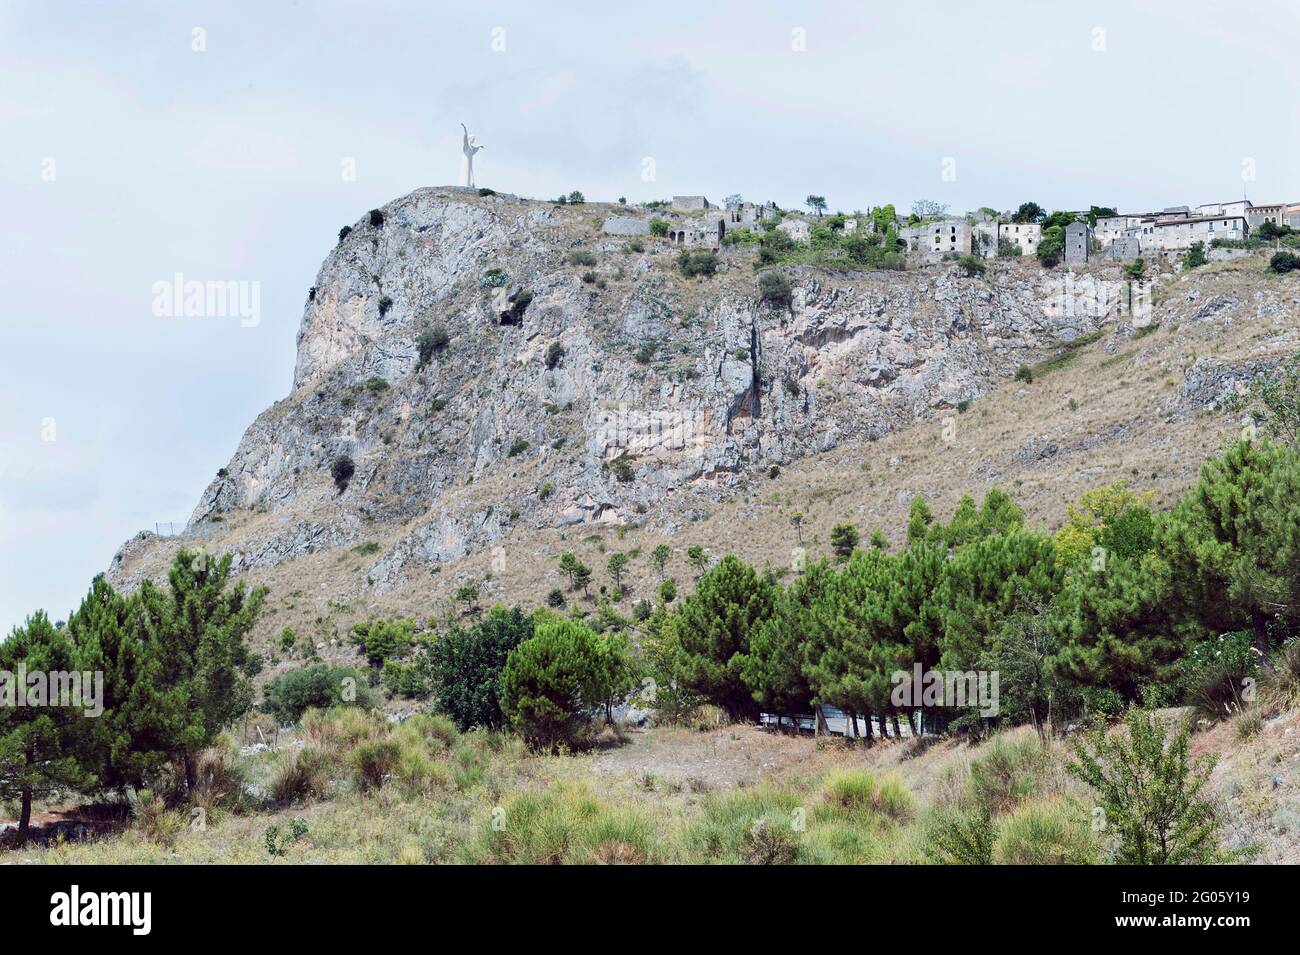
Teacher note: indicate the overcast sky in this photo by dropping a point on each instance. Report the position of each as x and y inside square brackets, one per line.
[127, 156]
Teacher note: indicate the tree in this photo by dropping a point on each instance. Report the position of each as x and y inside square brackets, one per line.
[844, 539]
[988, 581]
[1028, 212]
[465, 666]
[615, 671]
[667, 591]
[1051, 247]
[774, 667]
[714, 629]
[42, 737]
[919, 517]
[320, 685]
[853, 644]
[551, 682]
[1275, 400]
[199, 625]
[699, 560]
[1149, 791]
[659, 557]
[582, 578]
[616, 567]
[817, 204]
[132, 739]
[796, 520]
[1099, 212]
[467, 594]
[924, 209]
[569, 565]
[1195, 256]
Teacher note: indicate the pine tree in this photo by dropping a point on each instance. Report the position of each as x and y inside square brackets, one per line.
[43, 740]
[715, 627]
[551, 682]
[198, 625]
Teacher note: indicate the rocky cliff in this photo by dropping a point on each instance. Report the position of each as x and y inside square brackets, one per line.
[585, 379]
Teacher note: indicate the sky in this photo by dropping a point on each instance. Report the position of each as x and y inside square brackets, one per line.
[229, 142]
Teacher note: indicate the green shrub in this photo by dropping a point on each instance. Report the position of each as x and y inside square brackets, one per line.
[1053, 832]
[432, 341]
[380, 639]
[774, 289]
[581, 257]
[658, 227]
[1149, 791]
[1007, 772]
[555, 599]
[554, 355]
[1024, 373]
[465, 666]
[697, 262]
[376, 218]
[972, 265]
[374, 762]
[517, 447]
[565, 824]
[342, 470]
[318, 685]
[493, 278]
[960, 836]
[859, 794]
[551, 683]
[385, 304]
[1283, 262]
[300, 777]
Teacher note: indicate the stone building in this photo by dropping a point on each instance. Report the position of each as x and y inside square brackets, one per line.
[690, 203]
[1025, 234]
[1274, 212]
[1124, 249]
[948, 236]
[1078, 242]
[1178, 234]
[706, 230]
[984, 238]
[797, 229]
[626, 225]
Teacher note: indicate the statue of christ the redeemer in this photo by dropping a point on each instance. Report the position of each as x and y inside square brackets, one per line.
[469, 147]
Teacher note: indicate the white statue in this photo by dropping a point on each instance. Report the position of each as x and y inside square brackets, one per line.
[469, 147]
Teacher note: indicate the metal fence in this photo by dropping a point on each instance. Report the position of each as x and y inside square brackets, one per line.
[168, 528]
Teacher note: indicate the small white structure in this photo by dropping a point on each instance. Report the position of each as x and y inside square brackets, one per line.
[1236, 207]
[469, 147]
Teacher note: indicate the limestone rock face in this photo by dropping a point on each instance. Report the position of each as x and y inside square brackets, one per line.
[571, 380]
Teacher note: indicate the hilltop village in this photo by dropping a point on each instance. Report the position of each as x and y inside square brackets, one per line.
[930, 233]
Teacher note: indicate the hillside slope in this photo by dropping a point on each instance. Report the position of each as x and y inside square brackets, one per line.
[687, 411]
